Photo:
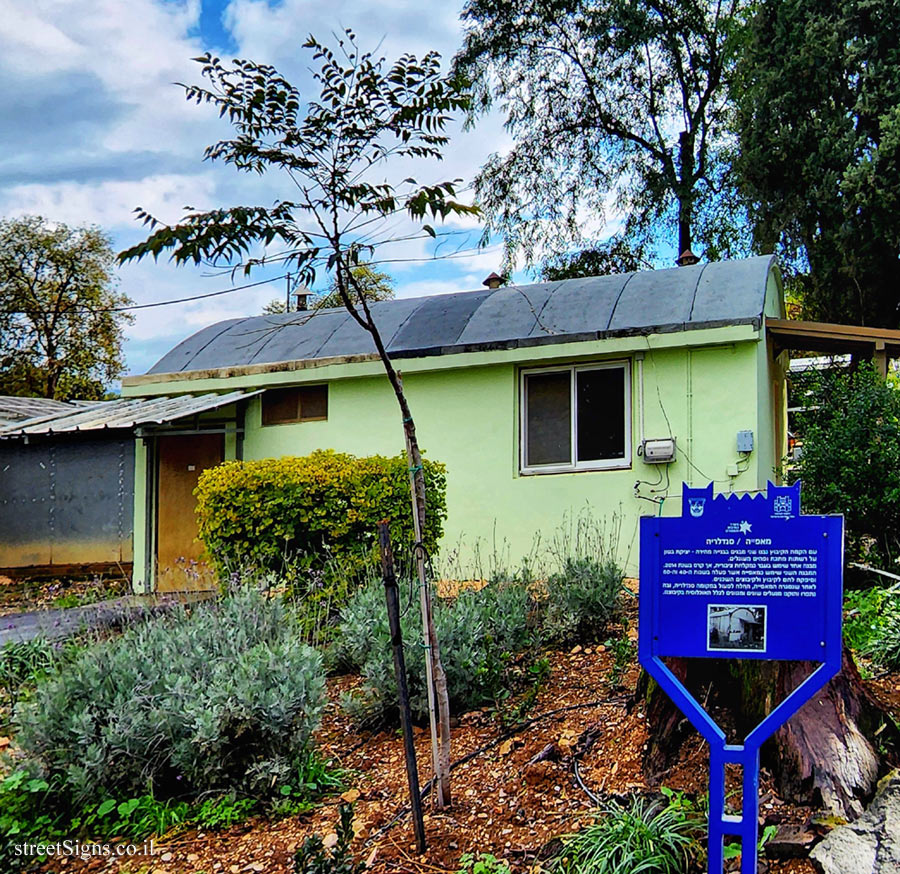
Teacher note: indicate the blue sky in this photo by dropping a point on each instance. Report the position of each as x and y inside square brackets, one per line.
[93, 127]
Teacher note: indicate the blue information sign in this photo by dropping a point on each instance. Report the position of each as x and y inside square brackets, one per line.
[742, 577]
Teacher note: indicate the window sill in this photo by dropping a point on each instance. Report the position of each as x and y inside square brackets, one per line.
[593, 468]
[293, 422]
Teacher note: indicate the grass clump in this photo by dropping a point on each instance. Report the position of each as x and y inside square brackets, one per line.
[660, 836]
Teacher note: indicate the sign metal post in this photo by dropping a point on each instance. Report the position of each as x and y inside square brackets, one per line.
[742, 577]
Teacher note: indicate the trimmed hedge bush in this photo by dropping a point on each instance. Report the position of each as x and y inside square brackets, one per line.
[260, 513]
[477, 630]
[221, 698]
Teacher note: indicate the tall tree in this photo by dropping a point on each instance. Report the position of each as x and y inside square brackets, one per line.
[60, 319]
[819, 127]
[614, 106]
[332, 152]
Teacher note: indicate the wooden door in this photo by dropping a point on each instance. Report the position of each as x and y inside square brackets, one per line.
[178, 551]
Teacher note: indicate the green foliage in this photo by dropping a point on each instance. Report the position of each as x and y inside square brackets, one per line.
[595, 96]
[374, 284]
[483, 863]
[733, 851]
[322, 505]
[850, 462]
[311, 778]
[818, 123]
[624, 653]
[59, 334]
[645, 836]
[583, 598]
[602, 259]
[866, 616]
[872, 625]
[332, 148]
[314, 858]
[30, 812]
[222, 698]
[22, 665]
[478, 630]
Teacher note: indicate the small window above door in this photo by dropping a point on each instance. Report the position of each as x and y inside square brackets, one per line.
[302, 403]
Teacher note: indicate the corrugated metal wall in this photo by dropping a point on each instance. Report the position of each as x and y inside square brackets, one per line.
[66, 500]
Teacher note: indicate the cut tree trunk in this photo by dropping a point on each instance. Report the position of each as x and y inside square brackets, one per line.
[825, 756]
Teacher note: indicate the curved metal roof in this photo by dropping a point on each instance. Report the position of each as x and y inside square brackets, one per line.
[676, 299]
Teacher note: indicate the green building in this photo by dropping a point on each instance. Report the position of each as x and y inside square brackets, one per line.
[541, 400]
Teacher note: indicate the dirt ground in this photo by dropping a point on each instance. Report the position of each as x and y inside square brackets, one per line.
[504, 802]
[22, 595]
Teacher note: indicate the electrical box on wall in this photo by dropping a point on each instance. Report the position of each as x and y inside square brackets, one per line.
[661, 451]
[745, 441]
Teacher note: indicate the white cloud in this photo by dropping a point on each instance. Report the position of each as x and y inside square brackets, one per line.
[110, 204]
[100, 128]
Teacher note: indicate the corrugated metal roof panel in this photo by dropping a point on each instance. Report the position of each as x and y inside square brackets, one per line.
[680, 298]
[125, 413]
[14, 409]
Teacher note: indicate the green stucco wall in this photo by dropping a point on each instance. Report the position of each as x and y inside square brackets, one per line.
[699, 386]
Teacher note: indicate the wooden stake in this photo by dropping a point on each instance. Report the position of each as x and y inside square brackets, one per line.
[393, 608]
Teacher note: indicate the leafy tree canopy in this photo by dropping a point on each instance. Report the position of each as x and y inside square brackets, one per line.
[60, 333]
[604, 259]
[819, 126]
[330, 150]
[614, 106]
[849, 422]
[373, 283]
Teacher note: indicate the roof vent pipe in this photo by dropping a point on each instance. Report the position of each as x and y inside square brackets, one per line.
[687, 259]
[493, 281]
[302, 296]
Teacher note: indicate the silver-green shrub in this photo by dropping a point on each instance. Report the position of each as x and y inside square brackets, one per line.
[582, 598]
[219, 697]
[477, 630]
[585, 589]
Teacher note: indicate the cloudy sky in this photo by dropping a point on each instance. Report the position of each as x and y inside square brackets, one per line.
[93, 126]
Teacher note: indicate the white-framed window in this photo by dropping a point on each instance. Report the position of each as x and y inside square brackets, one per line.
[575, 417]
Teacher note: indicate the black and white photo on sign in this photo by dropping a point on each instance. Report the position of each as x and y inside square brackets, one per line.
[736, 627]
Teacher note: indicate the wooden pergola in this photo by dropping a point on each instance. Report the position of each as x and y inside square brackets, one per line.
[879, 344]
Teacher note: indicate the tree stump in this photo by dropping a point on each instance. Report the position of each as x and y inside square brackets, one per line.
[825, 756]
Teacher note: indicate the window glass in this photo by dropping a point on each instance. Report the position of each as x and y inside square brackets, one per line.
[548, 418]
[600, 397]
[295, 404]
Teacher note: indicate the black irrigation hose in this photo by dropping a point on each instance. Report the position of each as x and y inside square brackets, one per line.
[504, 735]
[598, 801]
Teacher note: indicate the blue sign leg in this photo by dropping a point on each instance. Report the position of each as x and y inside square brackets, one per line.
[715, 844]
[745, 826]
[750, 810]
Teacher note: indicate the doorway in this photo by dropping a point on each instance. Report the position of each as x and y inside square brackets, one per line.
[182, 459]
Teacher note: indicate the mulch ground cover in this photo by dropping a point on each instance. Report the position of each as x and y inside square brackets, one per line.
[512, 799]
[514, 795]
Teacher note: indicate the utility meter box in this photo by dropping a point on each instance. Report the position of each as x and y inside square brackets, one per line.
[661, 451]
[745, 441]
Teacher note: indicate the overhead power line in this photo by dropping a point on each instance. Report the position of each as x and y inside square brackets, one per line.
[161, 303]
